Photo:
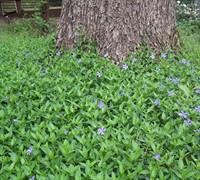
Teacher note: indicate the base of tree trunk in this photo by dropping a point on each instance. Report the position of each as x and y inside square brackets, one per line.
[118, 26]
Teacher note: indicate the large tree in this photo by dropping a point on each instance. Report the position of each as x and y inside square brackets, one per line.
[118, 26]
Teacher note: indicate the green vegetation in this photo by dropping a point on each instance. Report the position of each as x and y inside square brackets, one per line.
[73, 115]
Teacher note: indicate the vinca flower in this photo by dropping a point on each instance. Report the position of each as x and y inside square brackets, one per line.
[19, 64]
[187, 122]
[30, 151]
[125, 66]
[152, 56]
[15, 120]
[184, 61]
[175, 80]
[157, 156]
[66, 132]
[73, 55]
[197, 91]
[157, 102]
[198, 109]
[101, 131]
[183, 114]
[163, 55]
[161, 86]
[99, 74]
[134, 59]
[100, 105]
[170, 93]
[32, 178]
[58, 54]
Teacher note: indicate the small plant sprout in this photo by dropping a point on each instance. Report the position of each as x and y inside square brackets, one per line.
[101, 131]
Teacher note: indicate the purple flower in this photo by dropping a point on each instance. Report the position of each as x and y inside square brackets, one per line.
[157, 156]
[187, 122]
[30, 151]
[19, 64]
[99, 74]
[73, 55]
[198, 109]
[157, 70]
[183, 114]
[101, 131]
[15, 120]
[163, 55]
[66, 132]
[197, 91]
[32, 178]
[134, 59]
[125, 66]
[193, 70]
[152, 56]
[100, 105]
[90, 96]
[161, 86]
[169, 79]
[58, 54]
[175, 80]
[123, 92]
[170, 93]
[157, 102]
[26, 54]
[144, 86]
[5, 99]
[79, 60]
[184, 61]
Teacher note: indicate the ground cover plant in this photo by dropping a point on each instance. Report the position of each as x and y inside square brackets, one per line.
[74, 115]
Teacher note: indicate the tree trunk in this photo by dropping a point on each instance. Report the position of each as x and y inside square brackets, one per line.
[198, 3]
[118, 26]
[45, 10]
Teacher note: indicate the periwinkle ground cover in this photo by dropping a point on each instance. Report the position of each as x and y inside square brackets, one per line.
[73, 115]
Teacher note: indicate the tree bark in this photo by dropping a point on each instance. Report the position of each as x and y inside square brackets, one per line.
[45, 10]
[118, 26]
[198, 3]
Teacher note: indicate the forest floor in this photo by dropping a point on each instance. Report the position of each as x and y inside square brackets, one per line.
[74, 115]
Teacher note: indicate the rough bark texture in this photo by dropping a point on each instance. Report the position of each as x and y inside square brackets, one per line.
[198, 3]
[118, 26]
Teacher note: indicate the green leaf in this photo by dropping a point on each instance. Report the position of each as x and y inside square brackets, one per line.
[185, 89]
